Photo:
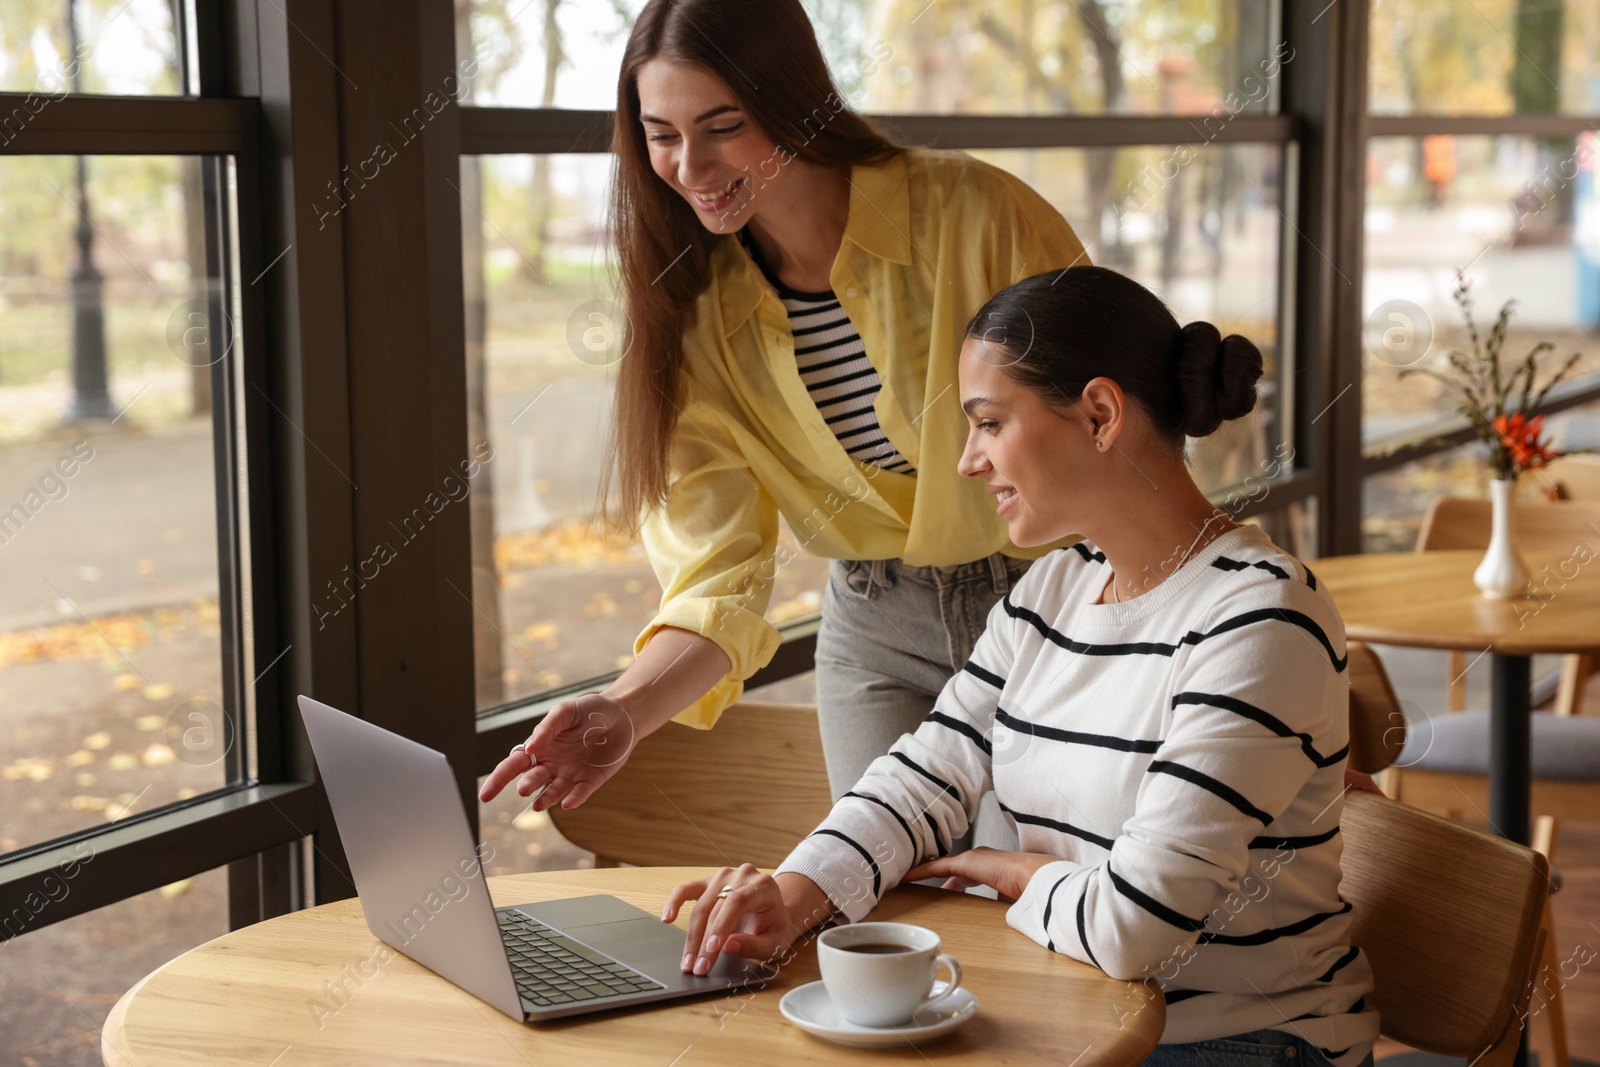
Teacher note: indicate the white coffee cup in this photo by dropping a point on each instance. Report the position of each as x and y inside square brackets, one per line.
[872, 986]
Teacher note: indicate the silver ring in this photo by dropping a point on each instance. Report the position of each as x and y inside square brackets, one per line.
[726, 890]
[521, 746]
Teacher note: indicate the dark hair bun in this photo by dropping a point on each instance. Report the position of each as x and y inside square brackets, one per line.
[1218, 376]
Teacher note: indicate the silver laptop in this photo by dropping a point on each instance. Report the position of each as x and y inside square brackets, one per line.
[422, 887]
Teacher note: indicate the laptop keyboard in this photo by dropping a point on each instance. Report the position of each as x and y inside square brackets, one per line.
[553, 969]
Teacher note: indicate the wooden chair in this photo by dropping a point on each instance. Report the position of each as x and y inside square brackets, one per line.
[1449, 918]
[1378, 741]
[1461, 523]
[1575, 477]
[744, 792]
[1377, 725]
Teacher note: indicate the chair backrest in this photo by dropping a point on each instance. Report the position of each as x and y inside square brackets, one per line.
[1449, 918]
[1377, 723]
[1575, 477]
[1454, 522]
[745, 791]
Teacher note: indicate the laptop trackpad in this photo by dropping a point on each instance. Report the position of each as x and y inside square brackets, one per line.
[633, 941]
[656, 948]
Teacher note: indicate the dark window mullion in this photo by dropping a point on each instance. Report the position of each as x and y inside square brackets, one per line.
[539, 131]
[134, 855]
[1481, 125]
[124, 125]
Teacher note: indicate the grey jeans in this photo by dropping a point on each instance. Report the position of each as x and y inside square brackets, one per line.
[891, 636]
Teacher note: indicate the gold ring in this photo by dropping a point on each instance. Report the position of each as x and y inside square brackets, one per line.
[727, 889]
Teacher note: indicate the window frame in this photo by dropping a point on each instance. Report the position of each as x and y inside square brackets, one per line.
[256, 825]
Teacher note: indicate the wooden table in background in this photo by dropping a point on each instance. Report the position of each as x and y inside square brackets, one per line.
[1427, 600]
[250, 998]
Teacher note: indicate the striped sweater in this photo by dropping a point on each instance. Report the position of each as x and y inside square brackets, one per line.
[1183, 754]
[833, 364]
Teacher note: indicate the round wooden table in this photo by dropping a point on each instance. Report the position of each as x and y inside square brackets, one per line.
[261, 997]
[1427, 600]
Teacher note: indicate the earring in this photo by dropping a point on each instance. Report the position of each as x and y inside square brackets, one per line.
[1099, 444]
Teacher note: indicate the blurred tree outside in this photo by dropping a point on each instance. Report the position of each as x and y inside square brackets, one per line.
[1536, 90]
[1094, 57]
[201, 285]
[128, 49]
[1430, 56]
[540, 207]
[1489, 57]
[136, 36]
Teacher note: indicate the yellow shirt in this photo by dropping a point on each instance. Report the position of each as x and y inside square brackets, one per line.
[929, 238]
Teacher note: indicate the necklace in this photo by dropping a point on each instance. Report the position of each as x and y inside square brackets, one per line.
[1116, 594]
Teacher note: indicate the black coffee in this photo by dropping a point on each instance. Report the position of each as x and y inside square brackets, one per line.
[877, 947]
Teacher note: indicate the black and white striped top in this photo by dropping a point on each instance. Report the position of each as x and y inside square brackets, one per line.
[833, 363]
[1183, 754]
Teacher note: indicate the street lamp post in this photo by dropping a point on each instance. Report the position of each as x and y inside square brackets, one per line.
[91, 398]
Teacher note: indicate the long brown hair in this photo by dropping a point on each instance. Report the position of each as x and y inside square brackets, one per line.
[663, 250]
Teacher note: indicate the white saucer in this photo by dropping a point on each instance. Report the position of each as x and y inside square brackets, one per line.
[810, 1008]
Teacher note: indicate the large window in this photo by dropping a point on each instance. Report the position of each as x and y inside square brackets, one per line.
[1128, 57]
[108, 502]
[1197, 207]
[559, 604]
[1481, 164]
[137, 570]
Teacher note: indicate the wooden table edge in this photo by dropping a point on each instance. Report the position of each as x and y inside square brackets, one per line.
[113, 1035]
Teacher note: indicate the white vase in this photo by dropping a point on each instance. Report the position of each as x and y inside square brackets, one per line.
[1502, 575]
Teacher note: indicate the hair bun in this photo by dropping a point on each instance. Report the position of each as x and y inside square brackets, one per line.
[1218, 376]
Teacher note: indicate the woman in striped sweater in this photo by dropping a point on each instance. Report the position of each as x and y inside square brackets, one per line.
[1161, 709]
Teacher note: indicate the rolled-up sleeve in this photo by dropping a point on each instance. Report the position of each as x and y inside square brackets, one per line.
[712, 548]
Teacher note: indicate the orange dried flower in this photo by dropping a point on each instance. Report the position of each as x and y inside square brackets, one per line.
[1524, 442]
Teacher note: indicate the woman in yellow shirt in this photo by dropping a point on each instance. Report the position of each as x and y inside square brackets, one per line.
[796, 289]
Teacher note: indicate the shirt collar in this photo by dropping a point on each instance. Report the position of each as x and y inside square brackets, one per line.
[880, 210]
[879, 223]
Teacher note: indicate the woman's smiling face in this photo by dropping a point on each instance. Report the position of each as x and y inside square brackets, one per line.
[704, 145]
[1038, 459]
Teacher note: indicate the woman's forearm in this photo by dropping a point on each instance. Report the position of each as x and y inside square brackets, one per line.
[675, 668]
